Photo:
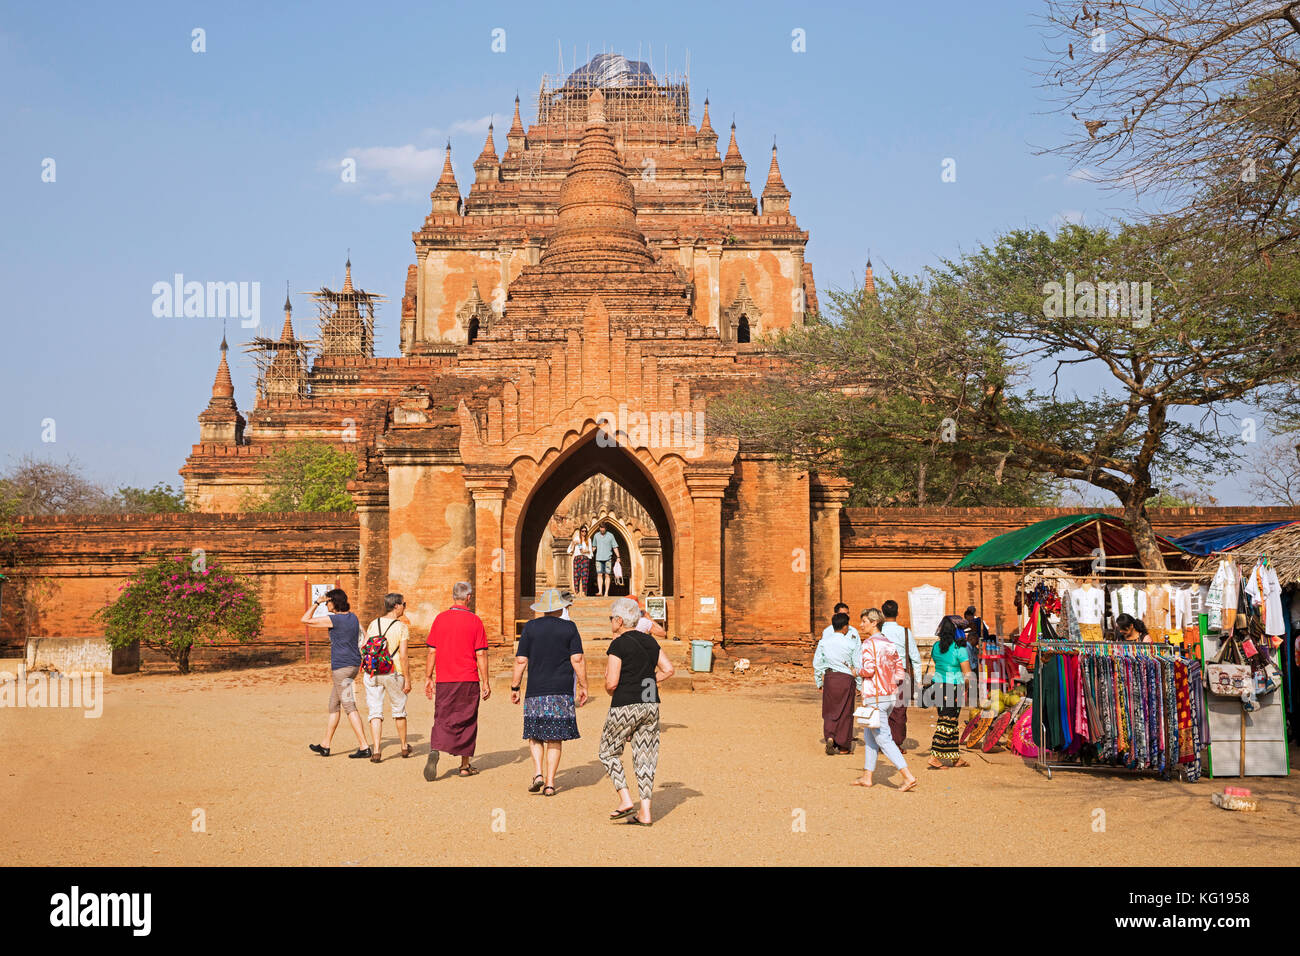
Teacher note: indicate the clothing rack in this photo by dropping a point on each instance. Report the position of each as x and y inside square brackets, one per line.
[1108, 648]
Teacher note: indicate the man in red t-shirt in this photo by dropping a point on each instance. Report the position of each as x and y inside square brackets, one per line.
[459, 643]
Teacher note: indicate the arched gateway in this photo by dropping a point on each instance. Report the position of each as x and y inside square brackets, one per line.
[609, 319]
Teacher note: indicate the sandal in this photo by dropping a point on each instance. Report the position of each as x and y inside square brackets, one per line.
[537, 784]
[375, 758]
[620, 814]
[407, 751]
[909, 786]
[633, 821]
[548, 791]
[467, 772]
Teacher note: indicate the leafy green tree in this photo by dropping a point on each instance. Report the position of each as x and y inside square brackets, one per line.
[177, 602]
[1015, 357]
[160, 499]
[306, 476]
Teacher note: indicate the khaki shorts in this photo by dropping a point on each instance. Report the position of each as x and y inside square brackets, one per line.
[342, 691]
[379, 684]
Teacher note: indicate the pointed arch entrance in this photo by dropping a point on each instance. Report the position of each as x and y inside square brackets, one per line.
[585, 460]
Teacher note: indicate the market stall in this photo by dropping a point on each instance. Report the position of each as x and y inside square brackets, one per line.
[1111, 648]
[1251, 578]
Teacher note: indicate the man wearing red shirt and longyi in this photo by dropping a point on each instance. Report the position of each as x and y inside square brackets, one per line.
[459, 643]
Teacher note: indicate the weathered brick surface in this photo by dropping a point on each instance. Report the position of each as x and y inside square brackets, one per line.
[80, 562]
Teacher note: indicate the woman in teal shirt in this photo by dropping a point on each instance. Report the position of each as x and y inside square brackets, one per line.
[951, 671]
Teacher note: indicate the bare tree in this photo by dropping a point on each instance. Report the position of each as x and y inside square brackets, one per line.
[1194, 102]
[39, 487]
[1273, 472]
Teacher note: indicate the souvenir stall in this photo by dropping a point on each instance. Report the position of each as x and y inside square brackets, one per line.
[1251, 574]
[1111, 648]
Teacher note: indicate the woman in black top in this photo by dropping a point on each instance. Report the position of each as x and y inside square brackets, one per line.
[635, 666]
[550, 650]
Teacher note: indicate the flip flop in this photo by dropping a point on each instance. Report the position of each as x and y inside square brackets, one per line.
[910, 786]
[931, 766]
[407, 751]
[467, 772]
[620, 814]
[536, 785]
[548, 791]
[633, 821]
[859, 783]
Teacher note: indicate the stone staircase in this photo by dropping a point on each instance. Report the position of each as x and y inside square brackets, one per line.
[591, 615]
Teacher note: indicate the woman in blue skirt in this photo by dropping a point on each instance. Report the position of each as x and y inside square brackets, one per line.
[550, 650]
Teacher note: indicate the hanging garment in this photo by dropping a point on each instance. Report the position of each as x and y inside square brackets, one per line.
[1266, 592]
[1223, 593]
[1183, 617]
[1089, 604]
[1157, 619]
[1129, 600]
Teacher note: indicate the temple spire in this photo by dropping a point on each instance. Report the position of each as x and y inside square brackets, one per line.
[776, 198]
[286, 333]
[222, 386]
[486, 166]
[515, 136]
[347, 274]
[733, 166]
[446, 194]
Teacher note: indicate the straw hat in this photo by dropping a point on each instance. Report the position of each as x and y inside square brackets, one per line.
[551, 600]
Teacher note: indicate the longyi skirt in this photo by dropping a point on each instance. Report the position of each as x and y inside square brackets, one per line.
[455, 717]
[552, 718]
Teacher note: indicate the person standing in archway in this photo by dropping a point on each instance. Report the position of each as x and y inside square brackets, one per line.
[606, 546]
[580, 548]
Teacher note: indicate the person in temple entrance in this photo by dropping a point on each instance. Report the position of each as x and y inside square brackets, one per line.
[606, 547]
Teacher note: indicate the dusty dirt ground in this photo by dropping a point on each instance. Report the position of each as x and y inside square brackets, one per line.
[742, 780]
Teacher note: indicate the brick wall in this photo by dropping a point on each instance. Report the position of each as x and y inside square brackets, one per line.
[77, 563]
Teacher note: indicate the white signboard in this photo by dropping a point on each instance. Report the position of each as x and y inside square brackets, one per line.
[927, 606]
[657, 608]
[318, 594]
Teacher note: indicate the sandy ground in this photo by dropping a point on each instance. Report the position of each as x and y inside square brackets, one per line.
[742, 780]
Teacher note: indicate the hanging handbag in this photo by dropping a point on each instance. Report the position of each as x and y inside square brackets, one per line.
[1231, 678]
[868, 717]
[1022, 652]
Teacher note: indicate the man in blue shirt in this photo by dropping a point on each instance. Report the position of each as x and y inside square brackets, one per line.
[606, 546]
[835, 670]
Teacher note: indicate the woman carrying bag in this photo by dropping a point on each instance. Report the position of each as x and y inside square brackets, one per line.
[882, 670]
[951, 673]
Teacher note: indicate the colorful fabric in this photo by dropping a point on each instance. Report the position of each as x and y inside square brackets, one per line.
[550, 717]
[1022, 734]
[581, 568]
[944, 744]
[882, 667]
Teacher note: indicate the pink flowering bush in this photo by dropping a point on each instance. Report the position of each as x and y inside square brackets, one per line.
[175, 603]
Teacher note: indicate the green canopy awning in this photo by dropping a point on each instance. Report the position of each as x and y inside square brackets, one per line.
[1010, 549]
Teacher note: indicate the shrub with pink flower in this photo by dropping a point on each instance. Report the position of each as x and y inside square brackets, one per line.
[170, 605]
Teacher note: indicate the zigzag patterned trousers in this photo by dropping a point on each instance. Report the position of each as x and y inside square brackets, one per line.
[640, 724]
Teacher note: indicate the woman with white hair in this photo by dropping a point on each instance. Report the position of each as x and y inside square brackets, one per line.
[633, 671]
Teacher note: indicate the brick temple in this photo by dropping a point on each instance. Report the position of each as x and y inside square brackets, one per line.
[565, 324]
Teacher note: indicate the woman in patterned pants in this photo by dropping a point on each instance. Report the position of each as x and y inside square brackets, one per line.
[632, 674]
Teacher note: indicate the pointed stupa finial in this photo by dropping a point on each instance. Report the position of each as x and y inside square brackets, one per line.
[489, 155]
[869, 280]
[596, 107]
[347, 274]
[733, 151]
[705, 124]
[288, 306]
[222, 386]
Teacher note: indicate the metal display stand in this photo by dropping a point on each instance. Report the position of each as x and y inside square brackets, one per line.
[1067, 647]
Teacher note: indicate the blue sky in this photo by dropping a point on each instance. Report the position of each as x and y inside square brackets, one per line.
[224, 165]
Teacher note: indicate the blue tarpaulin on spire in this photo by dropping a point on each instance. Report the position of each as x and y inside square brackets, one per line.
[1225, 538]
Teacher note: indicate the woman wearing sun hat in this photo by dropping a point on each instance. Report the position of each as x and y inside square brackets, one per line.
[550, 650]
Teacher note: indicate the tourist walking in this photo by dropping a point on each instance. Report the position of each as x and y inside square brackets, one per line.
[580, 548]
[835, 671]
[882, 669]
[902, 638]
[345, 661]
[633, 671]
[386, 670]
[550, 651]
[606, 548]
[457, 670]
[951, 673]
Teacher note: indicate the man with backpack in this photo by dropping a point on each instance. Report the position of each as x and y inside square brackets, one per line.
[385, 669]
